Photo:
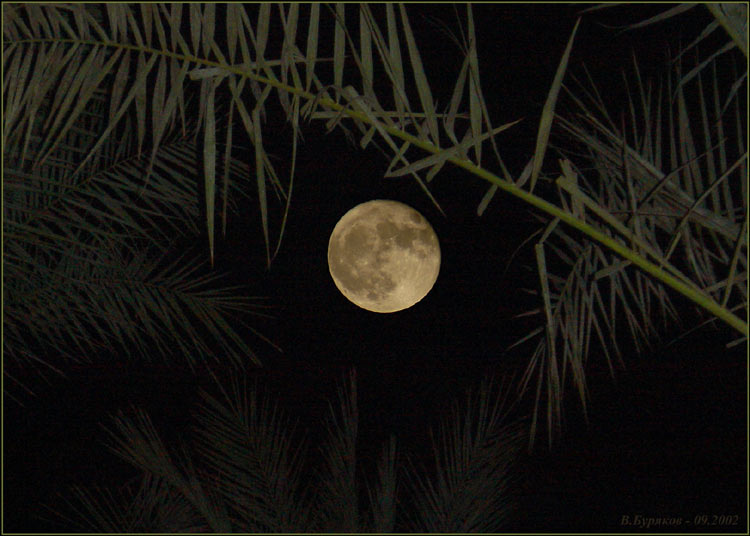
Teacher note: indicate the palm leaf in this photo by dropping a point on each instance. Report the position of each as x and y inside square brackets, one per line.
[137, 442]
[89, 222]
[383, 494]
[94, 43]
[339, 510]
[152, 507]
[474, 452]
[248, 474]
[249, 452]
[682, 207]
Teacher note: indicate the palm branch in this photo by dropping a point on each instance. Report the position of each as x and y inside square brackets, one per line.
[668, 177]
[259, 61]
[244, 471]
[474, 455]
[91, 221]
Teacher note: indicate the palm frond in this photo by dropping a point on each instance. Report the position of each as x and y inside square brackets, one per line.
[382, 495]
[474, 452]
[666, 182]
[89, 219]
[86, 55]
[250, 468]
[249, 452]
[136, 441]
[153, 507]
[339, 497]
[89, 303]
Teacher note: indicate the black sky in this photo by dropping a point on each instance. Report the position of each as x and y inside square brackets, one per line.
[666, 437]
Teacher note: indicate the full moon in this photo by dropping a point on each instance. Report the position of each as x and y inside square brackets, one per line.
[383, 256]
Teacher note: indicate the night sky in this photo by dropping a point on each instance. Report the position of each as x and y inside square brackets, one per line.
[666, 436]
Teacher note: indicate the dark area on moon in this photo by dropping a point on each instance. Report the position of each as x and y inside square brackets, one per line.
[665, 438]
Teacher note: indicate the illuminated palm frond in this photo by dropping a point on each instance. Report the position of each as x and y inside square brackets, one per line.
[90, 221]
[665, 176]
[371, 81]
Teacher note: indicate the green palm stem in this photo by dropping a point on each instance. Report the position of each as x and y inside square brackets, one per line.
[691, 292]
[731, 25]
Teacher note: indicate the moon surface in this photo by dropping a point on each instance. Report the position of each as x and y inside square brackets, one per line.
[383, 256]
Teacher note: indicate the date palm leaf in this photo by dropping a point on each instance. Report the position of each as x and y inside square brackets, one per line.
[250, 454]
[474, 453]
[89, 220]
[246, 472]
[363, 86]
[152, 506]
[668, 182]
